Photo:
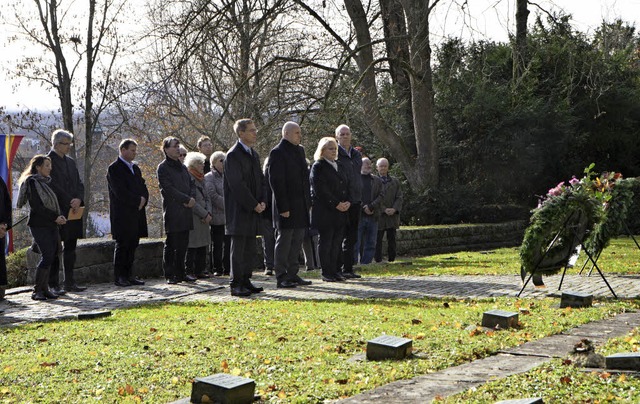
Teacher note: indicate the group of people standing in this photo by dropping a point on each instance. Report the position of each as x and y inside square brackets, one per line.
[219, 200]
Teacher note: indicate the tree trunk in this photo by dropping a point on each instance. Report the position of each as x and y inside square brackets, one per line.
[520, 52]
[395, 33]
[88, 115]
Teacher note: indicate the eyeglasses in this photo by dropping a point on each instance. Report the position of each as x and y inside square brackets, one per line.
[183, 155]
[65, 144]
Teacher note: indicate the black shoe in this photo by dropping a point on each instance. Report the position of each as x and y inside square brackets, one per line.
[58, 290]
[49, 294]
[136, 281]
[173, 281]
[286, 284]
[340, 278]
[123, 282]
[189, 278]
[302, 282]
[253, 288]
[75, 288]
[327, 279]
[204, 275]
[351, 275]
[218, 273]
[38, 296]
[268, 271]
[240, 291]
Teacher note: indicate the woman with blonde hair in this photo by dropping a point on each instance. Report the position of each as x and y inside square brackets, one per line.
[44, 218]
[330, 203]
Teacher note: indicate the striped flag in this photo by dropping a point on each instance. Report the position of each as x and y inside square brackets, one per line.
[8, 148]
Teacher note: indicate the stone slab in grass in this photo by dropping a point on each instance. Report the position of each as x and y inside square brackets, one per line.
[535, 400]
[94, 314]
[223, 388]
[576, 299]
[623, 360]
[499, 319]
[388, 347]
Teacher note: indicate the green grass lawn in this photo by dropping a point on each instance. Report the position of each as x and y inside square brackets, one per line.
[297, 351]
[621, 257]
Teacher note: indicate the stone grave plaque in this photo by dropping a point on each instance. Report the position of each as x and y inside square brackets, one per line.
[223, 388]
[499, 318]
[388, 347]
[534, 400]
[576, 299]
[623, 361]
[94, 314]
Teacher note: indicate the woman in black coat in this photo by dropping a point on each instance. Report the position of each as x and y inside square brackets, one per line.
[44, 218]
[330, 201]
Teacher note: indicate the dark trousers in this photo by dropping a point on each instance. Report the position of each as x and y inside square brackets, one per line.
[391, 244]
[175, 249]
[124, 254]
[287, 251]
[329, 249]
[47, 239]
[220, 249]
[243, 253]
[268, 243]
[350, 238]
[69, 243]
[196, 260]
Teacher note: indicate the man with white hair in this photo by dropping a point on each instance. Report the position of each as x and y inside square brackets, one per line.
[389, 219]
[289, 179]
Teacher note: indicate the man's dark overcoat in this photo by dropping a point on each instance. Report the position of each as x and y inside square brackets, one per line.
[289, 180]
[244, 189]
[176, 188]
[125, 190]
[67, 185]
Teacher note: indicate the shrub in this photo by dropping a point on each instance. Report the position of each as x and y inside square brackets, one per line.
[17, 268]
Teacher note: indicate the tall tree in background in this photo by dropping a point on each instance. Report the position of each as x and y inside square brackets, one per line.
[520, 52]
[53, 25]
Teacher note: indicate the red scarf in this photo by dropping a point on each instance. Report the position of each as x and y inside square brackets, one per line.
[199, 176]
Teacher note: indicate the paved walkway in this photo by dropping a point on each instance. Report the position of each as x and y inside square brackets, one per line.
[18, 308]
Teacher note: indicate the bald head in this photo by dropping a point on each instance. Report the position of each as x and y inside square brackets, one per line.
[292, 133]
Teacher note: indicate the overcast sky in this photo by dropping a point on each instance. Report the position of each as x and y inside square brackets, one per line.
[485, 19]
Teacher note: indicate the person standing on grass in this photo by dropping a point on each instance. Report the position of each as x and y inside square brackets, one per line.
[128, 197]
[372, 197]
[244, 201]
[289, 180]
[66, 183]
[351, 159]
[330, 198]
[45, 216]
[389, 220]
[178, 198]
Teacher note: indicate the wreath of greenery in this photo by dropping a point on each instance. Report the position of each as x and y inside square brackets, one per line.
[596, 205]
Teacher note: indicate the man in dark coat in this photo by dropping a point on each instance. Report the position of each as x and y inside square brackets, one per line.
[128, 196]
[291, 201]
[5, 224]
[351, 159]
[69, 189]
[178, 197]
[244, 201]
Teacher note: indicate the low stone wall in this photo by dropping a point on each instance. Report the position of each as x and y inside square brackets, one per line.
[94, 263]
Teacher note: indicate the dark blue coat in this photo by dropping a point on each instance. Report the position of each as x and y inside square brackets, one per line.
[244, 189]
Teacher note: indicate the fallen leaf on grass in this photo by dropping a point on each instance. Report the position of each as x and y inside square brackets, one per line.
[622, 378]
[42, 340]
[224, 365]
[48, 364]
[282, 395]
[416, 321]
[565, 380]
[605, 375]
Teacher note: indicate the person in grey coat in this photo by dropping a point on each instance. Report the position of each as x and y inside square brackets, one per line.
[200, 235]
[244, 201]
[178, 198]
[220, 244]
[389, 219]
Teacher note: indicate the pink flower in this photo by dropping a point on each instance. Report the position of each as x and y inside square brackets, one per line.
[573, 181]
[557, 190]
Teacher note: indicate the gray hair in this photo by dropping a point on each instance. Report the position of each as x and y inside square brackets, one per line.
[59, 135]
[217, 155]
[340, 127]
[193, 158]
